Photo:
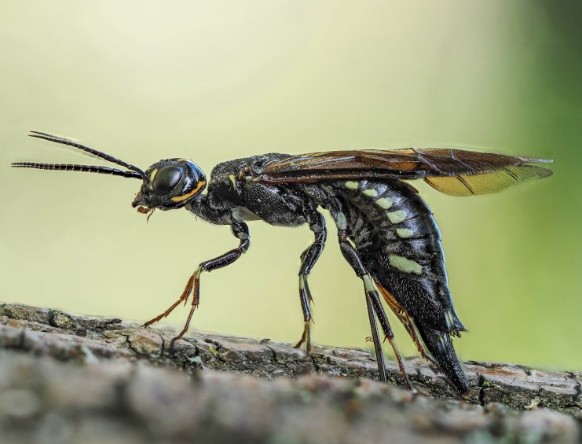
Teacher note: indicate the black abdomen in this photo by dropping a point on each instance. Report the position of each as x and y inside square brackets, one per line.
[398, 240]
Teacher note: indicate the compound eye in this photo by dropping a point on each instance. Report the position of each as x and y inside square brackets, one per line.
[166, 179]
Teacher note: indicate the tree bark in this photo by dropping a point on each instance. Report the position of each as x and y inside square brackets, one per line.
[66, 378]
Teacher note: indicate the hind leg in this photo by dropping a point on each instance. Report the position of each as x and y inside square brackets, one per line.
[376, 312]
[406, 320]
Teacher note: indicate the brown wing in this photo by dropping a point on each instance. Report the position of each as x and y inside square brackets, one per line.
[453, 172]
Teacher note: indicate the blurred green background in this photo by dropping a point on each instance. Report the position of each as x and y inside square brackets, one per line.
[213, 81]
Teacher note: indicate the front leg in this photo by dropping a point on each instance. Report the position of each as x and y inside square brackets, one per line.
[241, 231]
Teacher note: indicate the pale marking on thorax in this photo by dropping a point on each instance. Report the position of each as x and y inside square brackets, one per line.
[243, 213]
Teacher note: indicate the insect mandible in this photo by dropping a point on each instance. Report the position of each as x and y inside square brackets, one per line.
[385, 230]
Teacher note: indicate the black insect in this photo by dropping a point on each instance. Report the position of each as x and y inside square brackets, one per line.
[385, 230]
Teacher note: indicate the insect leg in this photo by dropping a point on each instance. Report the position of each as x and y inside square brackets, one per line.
[375, 308]
[406, 320]
[240, 230]
[376, 339]
[389, 334]
[308, 259]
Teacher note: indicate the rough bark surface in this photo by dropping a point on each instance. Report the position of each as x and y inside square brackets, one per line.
[66, 378]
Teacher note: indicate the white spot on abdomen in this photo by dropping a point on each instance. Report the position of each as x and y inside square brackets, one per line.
[384, 202]
[396, 216]
[404, 264]
[370, 192]
[404, 233]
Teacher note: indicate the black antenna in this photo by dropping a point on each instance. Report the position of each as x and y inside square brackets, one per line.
[76, 167]
[134, 172]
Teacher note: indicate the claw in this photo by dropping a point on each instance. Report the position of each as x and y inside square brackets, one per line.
[305, 338]
[183, 297]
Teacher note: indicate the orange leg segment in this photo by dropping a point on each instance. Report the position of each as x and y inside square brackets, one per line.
[406, 320]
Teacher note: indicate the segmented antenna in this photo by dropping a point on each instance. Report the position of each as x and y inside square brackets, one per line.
[134, 171]
[77, 167]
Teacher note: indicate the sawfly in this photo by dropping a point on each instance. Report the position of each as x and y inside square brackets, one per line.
[385, 230]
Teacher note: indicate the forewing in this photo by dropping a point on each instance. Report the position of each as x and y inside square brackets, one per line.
[453, 172]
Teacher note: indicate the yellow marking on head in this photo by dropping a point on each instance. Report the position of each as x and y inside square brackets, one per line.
[150, 183]
[396, 216]
[404, 264]
[384, 202]
[352, 185]
[370, 192]
[232, 179]
[404, 233]
[187, 196]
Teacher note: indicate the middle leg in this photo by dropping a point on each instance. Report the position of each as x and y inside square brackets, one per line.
[308, 259]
